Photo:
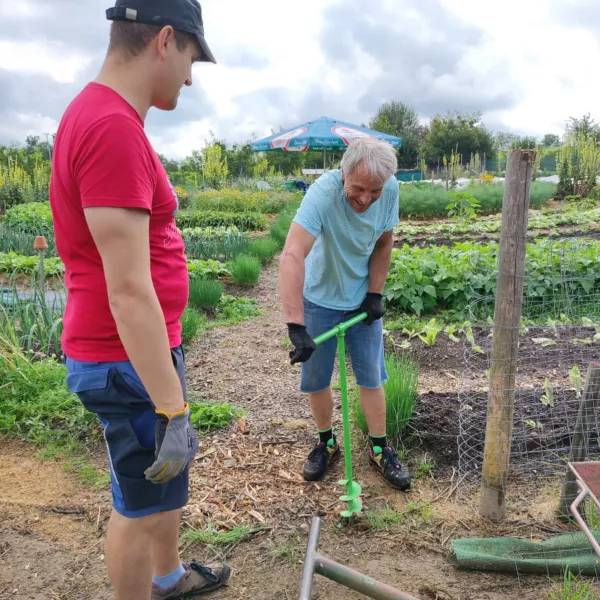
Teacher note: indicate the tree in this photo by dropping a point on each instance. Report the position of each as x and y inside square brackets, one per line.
[214, 165]
[550, 140]
[400, 120]
[504, 140]
[461, 133]
[585, 127]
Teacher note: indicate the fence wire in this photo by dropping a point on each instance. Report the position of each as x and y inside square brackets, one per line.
[559, 336]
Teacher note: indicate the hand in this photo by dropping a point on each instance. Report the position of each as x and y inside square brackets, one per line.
[373, 306]
[304, 345]
[176, 444]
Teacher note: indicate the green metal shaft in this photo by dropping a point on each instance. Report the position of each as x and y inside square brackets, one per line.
[342, 327]
[341, 344]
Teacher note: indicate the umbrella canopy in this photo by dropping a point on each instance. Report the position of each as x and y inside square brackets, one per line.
[322, 134]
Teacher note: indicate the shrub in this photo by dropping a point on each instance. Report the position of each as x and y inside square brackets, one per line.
[34, 218]
[250, 221]
[245, 270]
[400, 396]
[205, 293]
[264, 249]
[192, 325]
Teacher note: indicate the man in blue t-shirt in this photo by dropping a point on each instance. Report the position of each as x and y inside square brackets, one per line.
[333, 267]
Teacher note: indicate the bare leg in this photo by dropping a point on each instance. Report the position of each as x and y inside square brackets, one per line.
[321, 405]
[372, 403]
[166, 543]
[136, 549]
[129, 556]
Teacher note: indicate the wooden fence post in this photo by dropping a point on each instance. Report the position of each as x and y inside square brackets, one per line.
[579, 444]
[505, 342]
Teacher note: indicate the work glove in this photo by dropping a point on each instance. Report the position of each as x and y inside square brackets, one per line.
[176, 444]
[304, 345]
[373, 306]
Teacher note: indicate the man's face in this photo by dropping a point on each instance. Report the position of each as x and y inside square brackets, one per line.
[361, 189]
[174, 71]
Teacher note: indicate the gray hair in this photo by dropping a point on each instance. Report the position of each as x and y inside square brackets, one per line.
[377, 156]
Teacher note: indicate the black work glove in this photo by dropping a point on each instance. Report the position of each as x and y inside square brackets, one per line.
[304, 345]
[373, 306]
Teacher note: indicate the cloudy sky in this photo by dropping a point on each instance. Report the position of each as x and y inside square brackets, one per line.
[528, 65]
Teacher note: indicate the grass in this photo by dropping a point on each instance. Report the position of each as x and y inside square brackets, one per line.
[264, 249]
[245, 270]
[35, 403]
[213, 415]
[205, 293]
[384, 519]
[213, 537]
[193, 325]
[426, 467]
[573, 588]
[288, 551]
[400, 393]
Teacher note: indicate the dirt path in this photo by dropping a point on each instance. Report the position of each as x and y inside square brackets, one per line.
[52, 528]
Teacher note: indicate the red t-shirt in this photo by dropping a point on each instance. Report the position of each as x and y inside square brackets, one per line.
[102, 157]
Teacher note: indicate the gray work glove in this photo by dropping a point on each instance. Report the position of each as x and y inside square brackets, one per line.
[176, 444]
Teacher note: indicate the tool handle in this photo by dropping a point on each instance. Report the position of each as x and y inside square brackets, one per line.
[341, 328]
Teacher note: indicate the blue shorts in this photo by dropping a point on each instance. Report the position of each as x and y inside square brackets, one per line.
[114, 392]
[364, 344]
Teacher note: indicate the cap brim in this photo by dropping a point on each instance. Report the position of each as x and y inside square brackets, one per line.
[207, 55]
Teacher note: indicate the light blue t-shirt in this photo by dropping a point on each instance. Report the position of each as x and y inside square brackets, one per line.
[337, 267]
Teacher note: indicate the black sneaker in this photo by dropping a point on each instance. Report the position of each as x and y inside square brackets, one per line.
[393, 471]
[319, 459]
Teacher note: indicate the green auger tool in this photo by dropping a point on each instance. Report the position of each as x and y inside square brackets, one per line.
[353, 489]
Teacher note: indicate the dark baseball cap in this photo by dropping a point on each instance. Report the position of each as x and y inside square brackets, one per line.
[183, 15]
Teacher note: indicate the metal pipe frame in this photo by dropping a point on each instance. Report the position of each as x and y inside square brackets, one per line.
[317, 563]
[583, 492]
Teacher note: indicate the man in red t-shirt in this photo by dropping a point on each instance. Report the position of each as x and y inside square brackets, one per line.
[126, 274]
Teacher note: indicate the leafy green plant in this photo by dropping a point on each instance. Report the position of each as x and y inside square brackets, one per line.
[575, 377]
[232, 310]
[430, 333]
[463, 206]
[34, 218]
[15, 264]
[264, 249]
[400, 394]
[214, 242]
[245, 270]
[205, 293]
[426, 467]
[208, 415]
[384, 519]
[548, 398]
[207, 269]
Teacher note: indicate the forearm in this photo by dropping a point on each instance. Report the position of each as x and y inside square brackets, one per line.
[380, 266]
[291, 287]
[141, 326]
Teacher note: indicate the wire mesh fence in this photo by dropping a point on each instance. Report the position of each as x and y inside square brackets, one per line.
[559, 336]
